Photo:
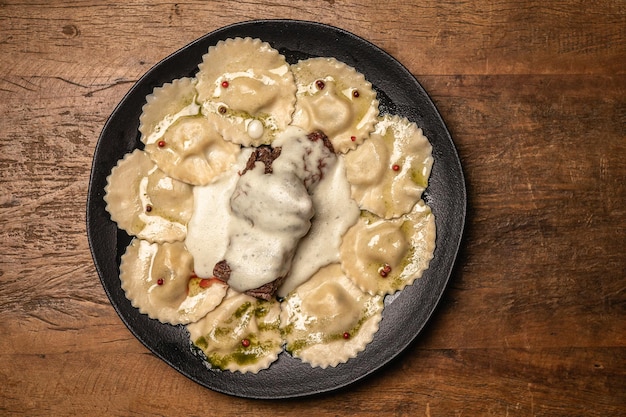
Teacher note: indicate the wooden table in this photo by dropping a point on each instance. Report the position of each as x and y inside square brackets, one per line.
[534, 319]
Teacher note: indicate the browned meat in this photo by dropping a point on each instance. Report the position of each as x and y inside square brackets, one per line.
[317, 135]
[267, 291]
[265, 154]
[221, 270]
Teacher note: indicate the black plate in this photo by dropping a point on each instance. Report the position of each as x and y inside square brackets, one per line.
[405, 314]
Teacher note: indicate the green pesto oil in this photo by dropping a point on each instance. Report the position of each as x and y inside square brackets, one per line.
[242, 355]
[418, 178]
[300, 344]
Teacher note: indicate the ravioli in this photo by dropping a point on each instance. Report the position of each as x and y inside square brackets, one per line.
[390, 171]
[246, 89]
[145, 202]
[335, 98]
[383, 256]
[242, 334]
[158, 279]
[191, 150]
[328, 320]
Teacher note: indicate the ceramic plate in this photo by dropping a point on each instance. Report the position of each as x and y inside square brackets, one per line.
[405, 313]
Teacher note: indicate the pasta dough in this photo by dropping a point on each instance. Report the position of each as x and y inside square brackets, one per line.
[336, 99]
[156, 279]
[191, 150]
[242, 334]
[384, 256]
[246, 88]
[165, 105]
[328, 320]
[389, 172]
[145, 202]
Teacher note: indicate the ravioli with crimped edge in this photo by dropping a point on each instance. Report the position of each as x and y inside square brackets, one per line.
[145, 202]
[158, 279]
[390, 171]
[328, 320]
[165, 105]
[242, 334]
[180, 140]
[246, 88]
[335, 98]
[383, 256]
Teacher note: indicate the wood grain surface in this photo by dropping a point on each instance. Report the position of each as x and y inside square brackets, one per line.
[533, 322]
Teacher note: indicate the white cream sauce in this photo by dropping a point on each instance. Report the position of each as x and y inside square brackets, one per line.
[154, 224]
[306, 159]
[335, 212]
[272, 212]
[266, 226]
[207, 230]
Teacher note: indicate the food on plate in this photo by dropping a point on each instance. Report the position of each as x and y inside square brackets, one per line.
[272, 208]
[191, 150]
[207, 230]
[182, 142]
[158, 279]
[335, 212]
[390, 171]
[241, 334]
[165, 105]
[145, 202]
[383, 256]
[328, 319]
[336, 99]
[246, 89]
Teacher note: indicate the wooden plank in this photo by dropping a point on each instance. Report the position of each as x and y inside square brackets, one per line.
[445, 37]
[514, 382]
